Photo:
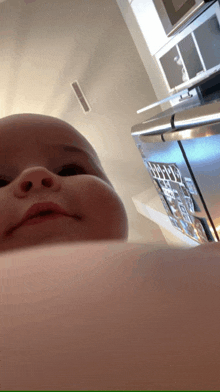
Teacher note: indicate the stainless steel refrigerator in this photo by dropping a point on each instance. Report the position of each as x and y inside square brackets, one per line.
[181, 151]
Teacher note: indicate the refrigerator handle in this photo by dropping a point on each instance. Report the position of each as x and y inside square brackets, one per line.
[153, 127]
[199, 121]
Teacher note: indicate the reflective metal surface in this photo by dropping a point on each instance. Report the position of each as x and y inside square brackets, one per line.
[192, 133]
[181, 151]
[200, 115]
[153, 127]
[203, 155]
[194, 122]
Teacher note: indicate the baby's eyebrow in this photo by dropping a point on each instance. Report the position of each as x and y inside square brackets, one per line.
[71, 148]
[75, 149]
[67, 147]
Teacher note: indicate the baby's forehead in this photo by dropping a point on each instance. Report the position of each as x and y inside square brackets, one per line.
[23, 129]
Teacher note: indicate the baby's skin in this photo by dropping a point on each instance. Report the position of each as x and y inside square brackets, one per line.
[82, 309]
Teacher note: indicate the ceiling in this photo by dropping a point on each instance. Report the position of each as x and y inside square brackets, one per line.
[45, 46]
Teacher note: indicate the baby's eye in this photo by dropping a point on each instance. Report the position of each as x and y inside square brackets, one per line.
[3, 182]
[71, 170]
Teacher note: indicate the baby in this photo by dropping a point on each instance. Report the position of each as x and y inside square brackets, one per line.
[99, 314]
[45, 159]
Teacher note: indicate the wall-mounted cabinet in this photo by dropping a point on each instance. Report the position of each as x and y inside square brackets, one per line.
[194, 54]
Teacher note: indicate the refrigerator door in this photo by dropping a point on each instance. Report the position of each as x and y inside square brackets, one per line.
[176, 188]
[203, 160]
[181, 156]
[201, 149]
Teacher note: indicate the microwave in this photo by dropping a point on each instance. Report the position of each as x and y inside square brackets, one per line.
[175, 15]
[193, 54]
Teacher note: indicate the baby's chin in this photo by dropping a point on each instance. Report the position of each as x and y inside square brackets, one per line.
[14, 245]
[51, 240]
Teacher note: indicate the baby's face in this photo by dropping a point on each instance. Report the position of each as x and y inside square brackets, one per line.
[35, 167]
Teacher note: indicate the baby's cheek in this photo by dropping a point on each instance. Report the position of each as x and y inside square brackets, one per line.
[102, 204]
[7, 217]
[98, 197]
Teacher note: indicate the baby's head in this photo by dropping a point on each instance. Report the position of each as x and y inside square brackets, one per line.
[37, 165]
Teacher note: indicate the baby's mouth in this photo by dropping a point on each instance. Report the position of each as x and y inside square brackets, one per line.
[43, 213]
[39, 217]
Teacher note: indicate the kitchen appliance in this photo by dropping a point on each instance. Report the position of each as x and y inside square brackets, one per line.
[194, 53]
[180, 148]
[177, 14]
